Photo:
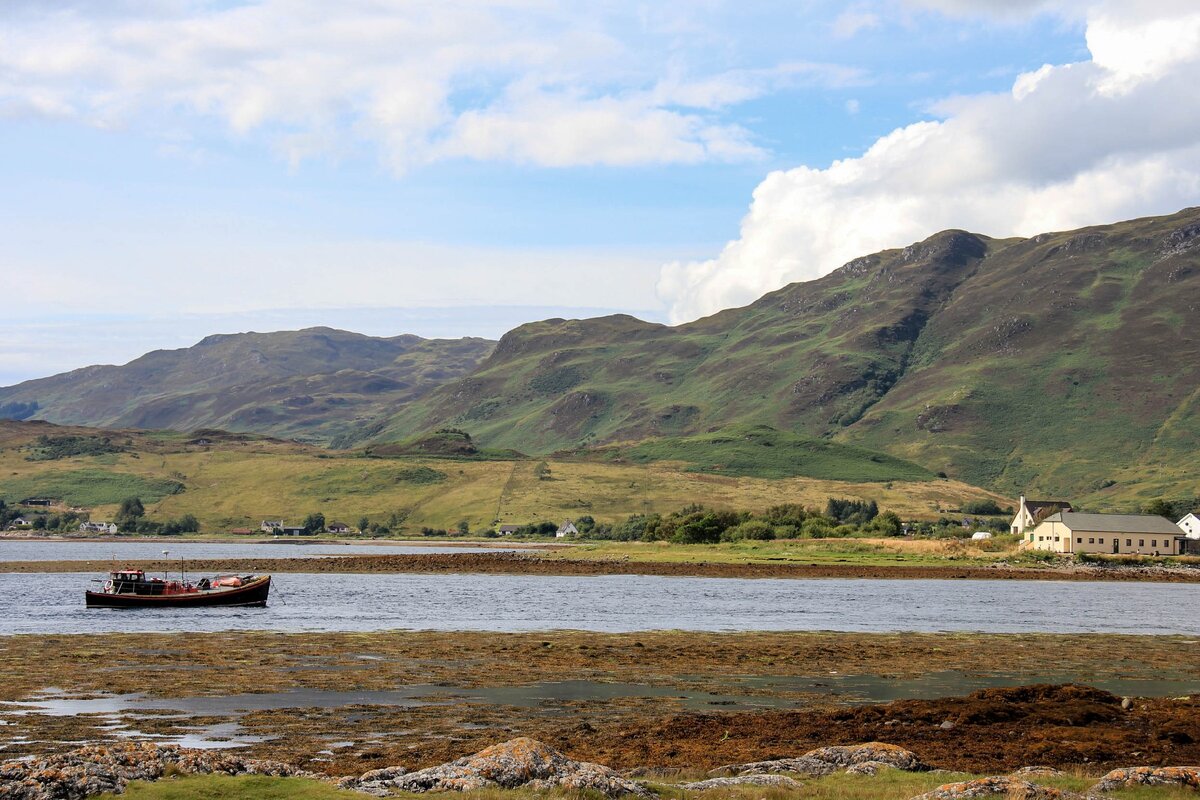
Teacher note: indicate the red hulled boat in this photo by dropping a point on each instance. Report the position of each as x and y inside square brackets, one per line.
[130, 588]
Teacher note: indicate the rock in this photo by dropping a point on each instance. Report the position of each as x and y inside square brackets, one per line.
[867, 768]
[1005, 786]
[947, 725]
[1188, 777]
[1038, 770]
[1126, 703]
[97, 769]
[825, 760]
[520, 762]
[375, 782]
[776, 781]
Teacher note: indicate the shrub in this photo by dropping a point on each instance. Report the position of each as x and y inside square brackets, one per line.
[815, 527]
[753, 529]
[984, 507]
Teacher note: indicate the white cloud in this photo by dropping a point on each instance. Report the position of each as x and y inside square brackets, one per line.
[540, 81]
[1070, 145]
[851, 21]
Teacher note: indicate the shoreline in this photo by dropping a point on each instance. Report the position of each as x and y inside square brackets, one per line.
[301, 541]
[515, 563]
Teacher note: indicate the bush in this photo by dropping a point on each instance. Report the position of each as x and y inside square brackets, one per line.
[753, 529]
[815, 528]
[983, 507]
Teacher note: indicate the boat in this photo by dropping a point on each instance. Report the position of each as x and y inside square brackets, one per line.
[130, 588]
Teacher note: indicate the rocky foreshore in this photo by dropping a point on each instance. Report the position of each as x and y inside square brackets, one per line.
[530, 764]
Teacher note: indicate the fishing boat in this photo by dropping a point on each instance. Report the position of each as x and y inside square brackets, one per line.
[131, 588]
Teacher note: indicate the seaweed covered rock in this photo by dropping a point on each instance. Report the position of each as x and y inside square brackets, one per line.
[97, 769]
[521, 762]
[1000, 786]
[1186, 777]
[826, 760]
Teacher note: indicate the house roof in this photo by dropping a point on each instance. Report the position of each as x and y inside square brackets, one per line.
[1035, 506]
[1116, 523]
[337, 525]
[509, 527]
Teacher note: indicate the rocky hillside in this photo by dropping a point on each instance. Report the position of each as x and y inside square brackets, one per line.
[312, 384]
[1064, 363]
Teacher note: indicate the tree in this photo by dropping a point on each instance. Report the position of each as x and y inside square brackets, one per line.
[129, 514]
[314, 523]
[1161, 508]
[363, 524]
[464, 527]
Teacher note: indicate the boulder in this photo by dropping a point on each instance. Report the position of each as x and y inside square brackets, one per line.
[1188, 777]
[1038, 769]
[521, 762]
[375, 782]
[775, 781]
[97, 769]
[1006, 786]
[825, 760]
[867, 768]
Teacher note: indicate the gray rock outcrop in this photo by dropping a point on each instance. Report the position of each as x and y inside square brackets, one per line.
[1186, 777]
[826, 760]
[775, 781]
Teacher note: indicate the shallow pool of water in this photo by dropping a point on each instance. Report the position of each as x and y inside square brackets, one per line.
[53, 603]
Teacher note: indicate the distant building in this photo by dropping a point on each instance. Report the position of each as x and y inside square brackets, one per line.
[337, 527]
[98, 527]
[38, 501]
[566, 529]
[1032, 512]
[1142, 534]
[508, 530]
[293, 530]
[1190, 525]
[270, 525]
[19, 522]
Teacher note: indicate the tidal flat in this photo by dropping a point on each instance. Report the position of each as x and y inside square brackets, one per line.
[343, 703]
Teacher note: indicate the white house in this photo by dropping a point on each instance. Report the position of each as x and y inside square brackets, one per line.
[1031, 512]
[98, 527]
[566, 529]
[337, 527]
[1071, 532]
[508, 530]
[1190, 526]
[270, 525]
[19, 522]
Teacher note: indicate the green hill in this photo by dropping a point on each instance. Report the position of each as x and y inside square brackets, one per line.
[1066, 363]
[311, 384]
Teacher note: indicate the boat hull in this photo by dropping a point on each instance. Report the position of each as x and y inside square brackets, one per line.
[249, 595]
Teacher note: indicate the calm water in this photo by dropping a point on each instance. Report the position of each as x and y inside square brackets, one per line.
[288, 548]
[53, 603]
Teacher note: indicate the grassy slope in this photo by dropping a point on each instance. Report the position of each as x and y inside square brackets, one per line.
[235, 483]
[313, 384]
[887, 785]
[1049, 365]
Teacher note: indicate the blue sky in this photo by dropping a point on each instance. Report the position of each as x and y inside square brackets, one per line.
[177, 169]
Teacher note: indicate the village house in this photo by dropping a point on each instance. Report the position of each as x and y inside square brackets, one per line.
[337, 527]
[1141, 534]
[566, 529]
[19, 522]
[1032, 512]
[508, 530]
[1190, 525]
[98, 527]
[293, 530]
[270, 525]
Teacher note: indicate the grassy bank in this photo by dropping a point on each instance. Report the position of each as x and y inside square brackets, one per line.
[888, 785]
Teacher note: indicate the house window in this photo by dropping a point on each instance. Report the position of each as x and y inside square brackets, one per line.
[1079, 540]
[1091, 540]
[1141, 542]
[1101, 541]
[1154, 542]
[1129, 542]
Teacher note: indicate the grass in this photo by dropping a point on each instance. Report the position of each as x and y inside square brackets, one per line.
[90, 486]
[237, 485]
[763, 452]
[886, 785]
[225, 787]
[863, 552]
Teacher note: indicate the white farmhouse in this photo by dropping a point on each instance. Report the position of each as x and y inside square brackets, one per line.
[1031, 512]
[566, 529]
[1190, 525]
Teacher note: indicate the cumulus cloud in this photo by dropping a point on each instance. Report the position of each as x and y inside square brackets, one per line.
[1069, 145]
[545, 82]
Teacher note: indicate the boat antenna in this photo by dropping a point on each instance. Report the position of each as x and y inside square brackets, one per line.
[166, 555]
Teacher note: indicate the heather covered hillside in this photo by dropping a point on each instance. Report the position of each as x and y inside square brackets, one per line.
[310, 384]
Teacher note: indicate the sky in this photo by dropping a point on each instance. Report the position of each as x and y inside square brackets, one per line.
[176, 168]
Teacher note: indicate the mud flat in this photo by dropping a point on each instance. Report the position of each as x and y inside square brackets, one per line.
[345, 703]
[534, 564]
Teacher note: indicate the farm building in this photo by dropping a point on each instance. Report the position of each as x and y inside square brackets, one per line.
[1031, 512]
[566, 529]
[1190, 525]
[508, 530]
[1142, 534]
[337, 527]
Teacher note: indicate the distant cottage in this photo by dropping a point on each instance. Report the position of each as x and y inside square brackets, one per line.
[508, 530]
[270, 525]
[337, 527]
[1032, 512]
[98, 527]
[566, 529]
[1142, 534]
